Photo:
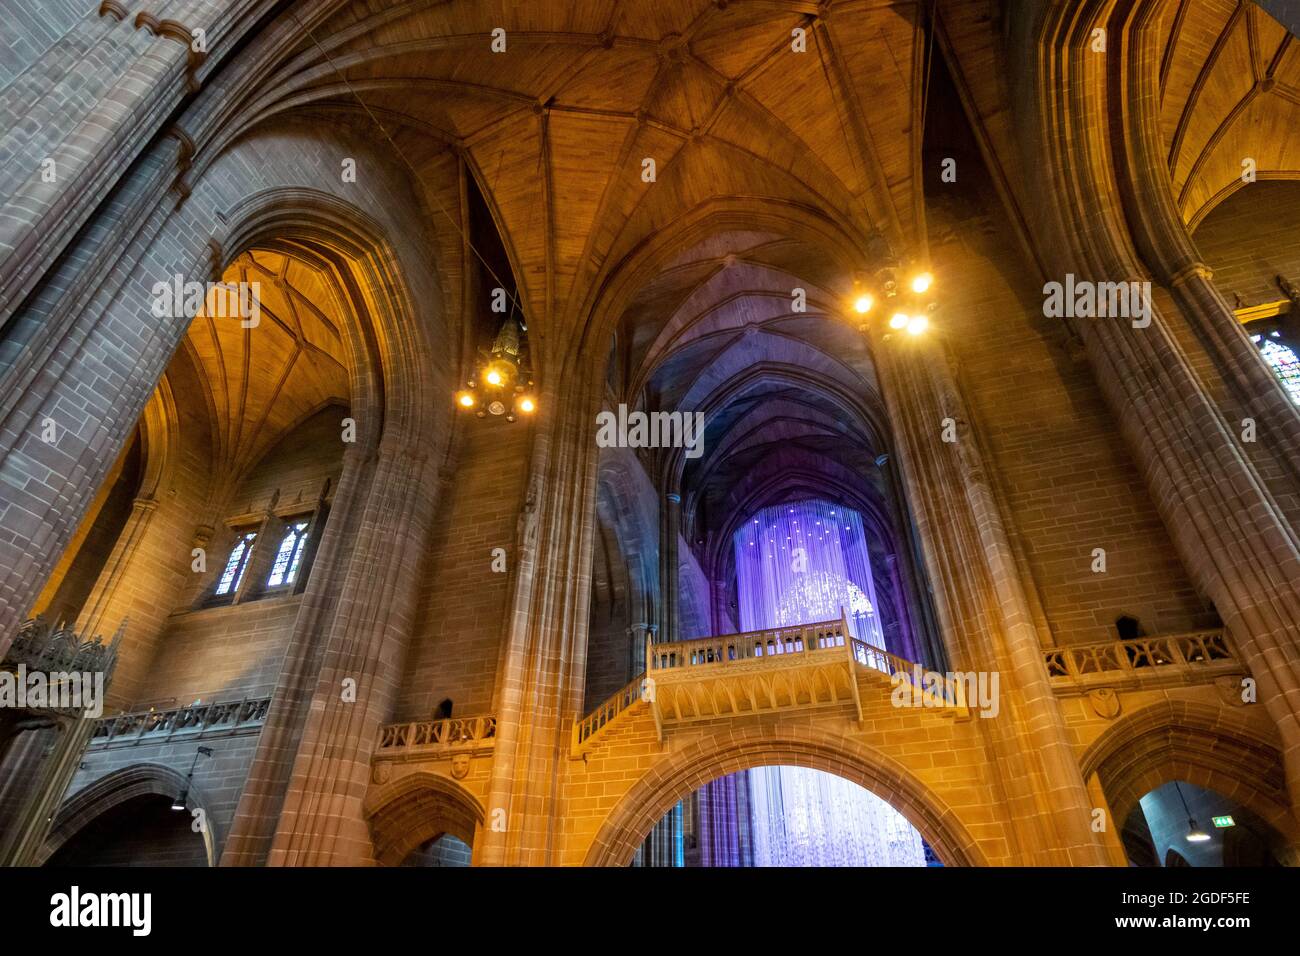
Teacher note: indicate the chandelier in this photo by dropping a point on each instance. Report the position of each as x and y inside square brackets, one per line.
[502, 384]
[908, 307]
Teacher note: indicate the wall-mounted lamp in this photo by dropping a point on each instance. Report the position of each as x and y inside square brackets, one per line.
[179, 802]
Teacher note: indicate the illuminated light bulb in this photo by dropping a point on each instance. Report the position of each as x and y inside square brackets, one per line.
[917, 324]
[863, 303]
[493, 377]
[465, 399]
[922, 282]
[527, 405]
[899, 320]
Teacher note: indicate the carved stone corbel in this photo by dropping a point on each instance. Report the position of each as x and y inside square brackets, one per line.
[114, 9]
[173, 30]
[184, 162]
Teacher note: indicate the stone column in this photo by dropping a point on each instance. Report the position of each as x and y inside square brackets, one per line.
[671, 579]
[132, 75]
[540, 674]
[637, 635]
[265, 789]
[59, 746]
[1110, 837]
[144, 633]
[1237, 545]
[984, 614]
[321, 821]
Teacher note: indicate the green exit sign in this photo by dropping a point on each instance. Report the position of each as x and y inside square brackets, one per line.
[1224, 822]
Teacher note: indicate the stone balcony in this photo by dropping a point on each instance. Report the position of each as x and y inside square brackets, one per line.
[424, 738]
[807, 667]
[199, 721]
[1198, 657]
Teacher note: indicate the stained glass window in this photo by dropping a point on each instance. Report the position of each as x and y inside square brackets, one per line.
[285, 568]
[236, 564]
[1282, 359]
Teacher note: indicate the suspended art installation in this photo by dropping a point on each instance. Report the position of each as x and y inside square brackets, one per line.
[804, 563]
[800, 564]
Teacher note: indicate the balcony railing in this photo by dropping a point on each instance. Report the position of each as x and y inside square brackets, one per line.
[448, 733]
[750, 645]
[586, 730]
[202, 720]
[1142, 659]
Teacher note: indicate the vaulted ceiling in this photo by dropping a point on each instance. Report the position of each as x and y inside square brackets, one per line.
[1229, 91]
[261, 381]
[558, 126]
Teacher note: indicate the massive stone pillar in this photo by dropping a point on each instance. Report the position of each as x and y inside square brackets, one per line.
[66, 147]
[82, 360]
[1235, 540]
[540, 682]
[984, 614]
[321, 820]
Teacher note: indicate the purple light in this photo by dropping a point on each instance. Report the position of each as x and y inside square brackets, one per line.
[802, 817]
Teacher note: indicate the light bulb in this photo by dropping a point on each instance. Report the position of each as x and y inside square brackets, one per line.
[493, 377]
[917, 324]
[527, 405]
[921, 282]
[898, 320]
[465, 399]
[863, 303]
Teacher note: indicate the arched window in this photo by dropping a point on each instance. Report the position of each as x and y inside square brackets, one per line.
[287, 559]
[236, 564]
[1281, 357]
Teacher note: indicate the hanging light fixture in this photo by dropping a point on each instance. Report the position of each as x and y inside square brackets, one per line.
[1194, 833]
[502, 385]
[907, 306]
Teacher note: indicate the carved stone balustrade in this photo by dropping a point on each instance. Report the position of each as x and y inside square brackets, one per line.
[450, 733]
[202, 720]
[1171, 660]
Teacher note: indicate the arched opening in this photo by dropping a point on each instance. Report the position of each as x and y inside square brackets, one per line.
[1128, 628]
[1197, 826]
[1220, 762]
[141, 831]
[625, 830]
[1249, 241]
[443, 850]
[784, 816]
[130, 817]
[424, 819]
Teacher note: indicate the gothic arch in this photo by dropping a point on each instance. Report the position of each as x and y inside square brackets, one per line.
[418, 808]
[1210, 747]
[703, 761]
[107, 792]
[622, 280]
[386, 348]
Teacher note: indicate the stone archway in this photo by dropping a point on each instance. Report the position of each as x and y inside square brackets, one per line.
[1210, 747]
[117, 788]
[715, 756]
[417, 809]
